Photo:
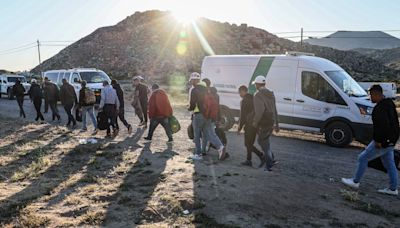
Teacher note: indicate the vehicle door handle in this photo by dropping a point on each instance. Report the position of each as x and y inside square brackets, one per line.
[287, 99]
[300, 101]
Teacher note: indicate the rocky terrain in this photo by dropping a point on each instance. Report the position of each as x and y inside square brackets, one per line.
[390, 57]
[154, 44]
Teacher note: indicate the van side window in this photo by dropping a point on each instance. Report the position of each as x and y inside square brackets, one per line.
[67, 76]
[316, 87]
[75, 76]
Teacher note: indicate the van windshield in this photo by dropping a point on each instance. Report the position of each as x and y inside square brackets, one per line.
[14, 79]
[94, 77]
[346, 83]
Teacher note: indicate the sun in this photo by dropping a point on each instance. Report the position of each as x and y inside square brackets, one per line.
[184, 15]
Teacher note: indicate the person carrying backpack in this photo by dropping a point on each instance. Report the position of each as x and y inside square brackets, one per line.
[385, 122]
[87, 100]
[52, 92]
[36, 95]
[265, 118]
[159, 112]
[201, 105]
[19, 91]
[109, 105]
[68, 99]
[121, 111]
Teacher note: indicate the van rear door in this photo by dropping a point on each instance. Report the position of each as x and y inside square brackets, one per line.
[315, 100]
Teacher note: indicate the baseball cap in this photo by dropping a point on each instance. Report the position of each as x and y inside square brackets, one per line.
[194, 76]
[259, 80]
[33, 81]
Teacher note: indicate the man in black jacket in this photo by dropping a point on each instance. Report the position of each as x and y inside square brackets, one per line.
[68, 100]
[385, 135]
[121, 111]
[143, 92]
[246, 121]
[19, 91]
[36, 95]
[52, 92]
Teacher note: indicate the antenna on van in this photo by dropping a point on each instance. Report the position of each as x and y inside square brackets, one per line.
[295, 53]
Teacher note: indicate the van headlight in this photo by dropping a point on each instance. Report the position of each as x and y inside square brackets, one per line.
[365, 110]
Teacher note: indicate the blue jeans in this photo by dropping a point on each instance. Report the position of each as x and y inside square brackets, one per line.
[204, 140]
[90, 111]
[264, 135]
[204, 127]
[387, 157]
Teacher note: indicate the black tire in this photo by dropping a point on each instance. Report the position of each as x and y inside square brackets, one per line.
[227, 120]
[338, 134]
[10, 95]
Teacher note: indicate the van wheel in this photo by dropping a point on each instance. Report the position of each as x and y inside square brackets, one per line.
[10, 95]
[227, 121]
[338, 134]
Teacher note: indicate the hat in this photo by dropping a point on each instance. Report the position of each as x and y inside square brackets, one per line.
[259, 80]
[194, 76]
[33, 81]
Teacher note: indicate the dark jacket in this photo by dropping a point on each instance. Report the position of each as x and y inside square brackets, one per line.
[51, 91]
[35, 92]
[67, 94]
[120, 95]
[82, 99]
[18, 90]
[197, 98]
[246, 111]
[385, 123]
[143, 91]
[264, 104]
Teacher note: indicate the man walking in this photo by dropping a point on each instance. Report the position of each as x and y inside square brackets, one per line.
[87, 100]
[121, 111]
[36, 95]
[68, 99]
[246, 121]
[159, 112]
[19, 91]
[385, 135]
[202, 125]
[265, 117]
[109, 103]
[45, 95]
[142, 91]
[52, 92]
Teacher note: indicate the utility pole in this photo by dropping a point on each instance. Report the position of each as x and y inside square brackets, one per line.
[40, 61]
[301, 41]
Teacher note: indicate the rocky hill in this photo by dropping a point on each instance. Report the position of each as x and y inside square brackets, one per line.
[390, 57]
[349, 40]
[154, 44]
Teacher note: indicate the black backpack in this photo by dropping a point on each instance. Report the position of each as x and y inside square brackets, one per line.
[102, 121]
[378, 165]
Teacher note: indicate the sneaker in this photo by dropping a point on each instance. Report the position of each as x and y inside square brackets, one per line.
[262, 162]
[387, 191]
[267, 170]
[141, 124]
[275, 162]
[130, 129]
[222, 153]
[350, 182]
[95, 132]
[147, 138]
[226, 156]
[108, 135]
[196, 157]
[115, 132]
[144, 125]
[247, 163]
[170, 141]
[83, 130]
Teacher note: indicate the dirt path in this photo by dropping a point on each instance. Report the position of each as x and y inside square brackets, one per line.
[48, 179]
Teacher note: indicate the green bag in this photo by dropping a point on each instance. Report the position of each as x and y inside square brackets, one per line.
[175, 126]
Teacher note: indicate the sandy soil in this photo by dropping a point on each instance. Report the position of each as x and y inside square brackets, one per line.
[48, 179]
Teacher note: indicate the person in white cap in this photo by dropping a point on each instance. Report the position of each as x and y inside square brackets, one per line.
[265, 117]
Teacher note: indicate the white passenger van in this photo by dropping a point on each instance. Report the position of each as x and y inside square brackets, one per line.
[94, 78]
[389, 88]
[7, 81]
[312, 94]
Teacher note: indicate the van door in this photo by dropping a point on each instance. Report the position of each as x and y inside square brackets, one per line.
[315, 100]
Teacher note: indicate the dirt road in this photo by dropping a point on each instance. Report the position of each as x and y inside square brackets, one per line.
[48, 179]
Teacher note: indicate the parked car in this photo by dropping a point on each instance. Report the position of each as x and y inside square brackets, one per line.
[389, 88]
[94, 78]
[312, 94]
[7, 81]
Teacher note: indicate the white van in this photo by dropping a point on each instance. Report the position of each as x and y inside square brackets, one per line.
[389, 88]
[92, 76]
[312, 94]
[7, 81]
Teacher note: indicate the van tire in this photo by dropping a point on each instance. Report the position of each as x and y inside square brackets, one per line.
[338, 134]
[10, 95]
[227, 120]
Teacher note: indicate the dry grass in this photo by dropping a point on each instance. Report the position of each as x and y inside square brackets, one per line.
[350, 196]
[30, 219]
[93, 218]
[32, 171]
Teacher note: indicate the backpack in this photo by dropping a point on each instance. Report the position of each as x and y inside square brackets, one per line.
[378, 165]
[174, 123]
[211, 106]
[90, 98]
[102, 121]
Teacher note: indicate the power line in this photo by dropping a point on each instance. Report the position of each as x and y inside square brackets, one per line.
[20, 50]
[22, 46]
[325, 31]
[58, 41]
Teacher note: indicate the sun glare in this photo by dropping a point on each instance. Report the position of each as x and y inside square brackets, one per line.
[184, 15]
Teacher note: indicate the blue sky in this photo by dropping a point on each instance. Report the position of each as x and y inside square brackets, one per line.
[22, 22]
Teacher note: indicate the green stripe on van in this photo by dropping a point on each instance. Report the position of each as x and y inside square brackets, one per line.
[263, 66]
